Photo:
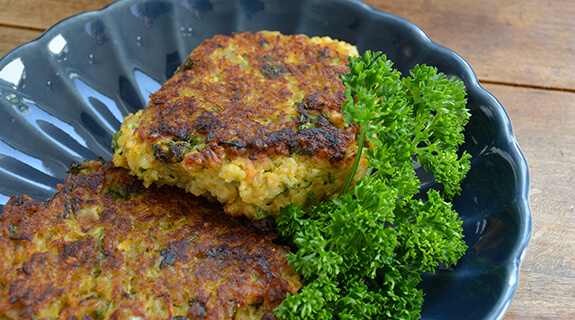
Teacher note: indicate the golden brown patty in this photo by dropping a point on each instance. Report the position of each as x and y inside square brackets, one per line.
[107, 247]
[251, 119]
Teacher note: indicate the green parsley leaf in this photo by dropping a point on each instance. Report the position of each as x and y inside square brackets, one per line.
[361, 255]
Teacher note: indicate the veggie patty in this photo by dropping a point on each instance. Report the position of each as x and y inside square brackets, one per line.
[252, 120]
[106, 247]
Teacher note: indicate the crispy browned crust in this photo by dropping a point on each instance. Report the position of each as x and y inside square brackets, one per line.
[240, 111]
[106, 247]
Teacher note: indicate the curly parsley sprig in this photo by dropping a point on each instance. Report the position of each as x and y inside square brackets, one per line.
[362, 254]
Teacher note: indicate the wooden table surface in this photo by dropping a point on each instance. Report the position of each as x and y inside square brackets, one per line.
[523, 52]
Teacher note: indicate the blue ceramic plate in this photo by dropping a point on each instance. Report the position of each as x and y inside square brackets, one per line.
[63, 96]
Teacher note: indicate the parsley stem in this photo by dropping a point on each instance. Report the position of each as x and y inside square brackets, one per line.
[355, 163]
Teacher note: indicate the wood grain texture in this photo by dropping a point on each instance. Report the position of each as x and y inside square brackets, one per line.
[544, 125]
[41, 14]
[11, 37]
[24, 20]
[526, 42]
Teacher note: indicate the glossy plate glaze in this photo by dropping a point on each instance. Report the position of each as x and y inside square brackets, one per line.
[64, 95]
